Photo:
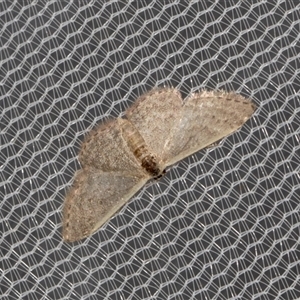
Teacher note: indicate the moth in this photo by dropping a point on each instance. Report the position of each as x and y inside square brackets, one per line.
[120, 156]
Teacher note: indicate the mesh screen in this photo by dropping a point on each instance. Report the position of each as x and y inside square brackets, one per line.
[223, 223]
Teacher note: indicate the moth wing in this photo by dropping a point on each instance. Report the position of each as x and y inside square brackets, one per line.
[105, 149]
[154, 114]
[94, 198]
[206, 117]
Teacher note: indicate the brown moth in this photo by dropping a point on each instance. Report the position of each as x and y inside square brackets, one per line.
[120, 156]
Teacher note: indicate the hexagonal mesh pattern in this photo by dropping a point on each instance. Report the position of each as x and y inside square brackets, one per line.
[222, 224]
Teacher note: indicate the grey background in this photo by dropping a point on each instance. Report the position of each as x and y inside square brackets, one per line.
[223, 223]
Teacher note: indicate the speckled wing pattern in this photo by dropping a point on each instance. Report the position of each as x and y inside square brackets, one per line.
[155, 114]
[204, 119]
[110, 176]
[118, 157]
[94, 198]
[106, 149]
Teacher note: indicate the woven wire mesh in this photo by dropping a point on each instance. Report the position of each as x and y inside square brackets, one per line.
[223, 223]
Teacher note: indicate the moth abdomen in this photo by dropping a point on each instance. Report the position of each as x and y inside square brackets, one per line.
[139, 148]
